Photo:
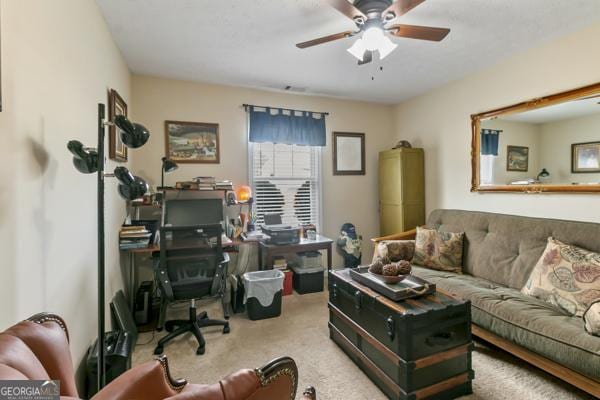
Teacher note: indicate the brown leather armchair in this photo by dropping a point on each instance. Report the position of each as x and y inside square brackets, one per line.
[38, 348]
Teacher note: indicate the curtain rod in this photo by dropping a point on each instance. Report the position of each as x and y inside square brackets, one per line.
[286, 109]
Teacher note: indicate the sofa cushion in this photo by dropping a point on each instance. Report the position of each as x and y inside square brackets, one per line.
[438, 250]
[526, 321]
[505, 248]
[566, 276]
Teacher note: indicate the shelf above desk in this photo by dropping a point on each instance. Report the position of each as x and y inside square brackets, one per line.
[172, 189]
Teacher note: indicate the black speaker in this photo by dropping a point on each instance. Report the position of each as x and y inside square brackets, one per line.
[122, 317]
[143, 303]
[118, 347]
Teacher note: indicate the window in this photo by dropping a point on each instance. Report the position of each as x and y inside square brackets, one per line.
[286, 180]
[487, 169]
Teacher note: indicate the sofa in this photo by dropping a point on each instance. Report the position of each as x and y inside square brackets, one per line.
[38, 349]
[499, 253]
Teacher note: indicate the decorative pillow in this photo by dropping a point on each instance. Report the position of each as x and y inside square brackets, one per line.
[566, 276]
[396, 250]
[439, 250]
[591, 319]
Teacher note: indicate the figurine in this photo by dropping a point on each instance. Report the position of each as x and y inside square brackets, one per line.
[349, 244]
[403, 143]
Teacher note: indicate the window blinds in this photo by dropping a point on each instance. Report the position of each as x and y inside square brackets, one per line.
[285, 180]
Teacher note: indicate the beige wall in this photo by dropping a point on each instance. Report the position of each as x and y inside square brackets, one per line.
[556, 146]
[440, 122]
[345, 198]
[514, 134]
[58, 61]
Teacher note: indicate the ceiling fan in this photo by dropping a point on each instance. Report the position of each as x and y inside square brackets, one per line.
[371, 18]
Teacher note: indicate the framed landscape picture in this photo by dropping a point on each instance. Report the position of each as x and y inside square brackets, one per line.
[517, 158]
[585, 157]
[192, 142]
[348, 153]
[116, 106]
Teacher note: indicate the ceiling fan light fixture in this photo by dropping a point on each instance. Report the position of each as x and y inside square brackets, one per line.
[358, 49]
[373, 38]
[386, 47]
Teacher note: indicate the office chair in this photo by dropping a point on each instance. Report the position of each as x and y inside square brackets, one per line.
[192, 265]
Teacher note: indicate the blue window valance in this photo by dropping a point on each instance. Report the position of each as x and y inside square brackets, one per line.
[276, 125]
[489, 142]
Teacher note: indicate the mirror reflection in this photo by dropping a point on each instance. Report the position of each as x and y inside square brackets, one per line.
[556, 145]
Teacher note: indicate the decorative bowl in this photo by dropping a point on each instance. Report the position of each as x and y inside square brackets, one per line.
[388, 278]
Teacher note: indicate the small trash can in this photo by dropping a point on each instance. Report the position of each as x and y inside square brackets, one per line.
[263, 291]
[308, 280]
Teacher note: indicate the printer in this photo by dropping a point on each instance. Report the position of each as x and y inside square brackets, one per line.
[281, 234]
[278, 233]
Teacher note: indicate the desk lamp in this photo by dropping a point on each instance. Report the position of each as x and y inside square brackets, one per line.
[167, 167]
[543, 174]
[89, 160]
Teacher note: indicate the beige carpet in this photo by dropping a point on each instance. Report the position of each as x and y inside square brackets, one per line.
[301, 332]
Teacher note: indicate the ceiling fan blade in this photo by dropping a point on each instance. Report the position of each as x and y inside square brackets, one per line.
[418, 32]
[324, 39]
[367, 58]
[401, 7]
[347, 9]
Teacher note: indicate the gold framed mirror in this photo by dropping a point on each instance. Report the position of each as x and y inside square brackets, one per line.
[548, 144]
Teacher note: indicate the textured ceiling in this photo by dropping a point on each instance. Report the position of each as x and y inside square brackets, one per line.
[252, 42]
[570, 109]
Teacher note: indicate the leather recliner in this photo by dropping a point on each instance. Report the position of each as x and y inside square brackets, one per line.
[38, 348]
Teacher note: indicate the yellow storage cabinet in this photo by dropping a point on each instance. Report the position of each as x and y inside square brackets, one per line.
[401, 190]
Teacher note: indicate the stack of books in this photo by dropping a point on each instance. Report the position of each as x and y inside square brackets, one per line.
[134, 237]
[279, 262]
[205, 182]
[224, 185]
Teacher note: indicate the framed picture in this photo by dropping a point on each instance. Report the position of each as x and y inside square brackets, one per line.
[585, 157]
[348, 153]
[192, 142]
[517, 158]
[116, 106]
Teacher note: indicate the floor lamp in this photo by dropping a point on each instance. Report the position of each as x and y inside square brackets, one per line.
[91, 160]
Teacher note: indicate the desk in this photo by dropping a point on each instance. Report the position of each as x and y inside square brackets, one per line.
[271, 250]
[228, 247]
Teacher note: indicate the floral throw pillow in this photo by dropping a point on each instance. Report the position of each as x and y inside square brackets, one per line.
[439, 250]
[396, 250]
[591, 319]
[566, 276]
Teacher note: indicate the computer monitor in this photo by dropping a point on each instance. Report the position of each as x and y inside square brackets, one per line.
[193, 212]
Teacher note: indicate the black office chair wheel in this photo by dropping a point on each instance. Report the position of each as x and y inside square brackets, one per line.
[226, 329]
[158, 350]
[169, 327]
[200, 350]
